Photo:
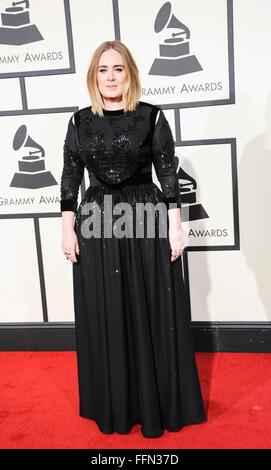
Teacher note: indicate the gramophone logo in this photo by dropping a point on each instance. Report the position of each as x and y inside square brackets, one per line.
[32, 173]
[191, 209]
[16, 26]
[175, 58]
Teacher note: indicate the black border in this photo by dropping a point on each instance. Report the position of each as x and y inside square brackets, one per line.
[208, 336]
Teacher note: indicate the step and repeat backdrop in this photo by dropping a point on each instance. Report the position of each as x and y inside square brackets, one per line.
[206, 63]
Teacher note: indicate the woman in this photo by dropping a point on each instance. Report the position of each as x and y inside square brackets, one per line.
[134, 346]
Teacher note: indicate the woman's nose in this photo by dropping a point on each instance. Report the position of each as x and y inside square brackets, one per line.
[111, 75]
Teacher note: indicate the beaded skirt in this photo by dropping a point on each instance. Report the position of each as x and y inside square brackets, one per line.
[135, 356]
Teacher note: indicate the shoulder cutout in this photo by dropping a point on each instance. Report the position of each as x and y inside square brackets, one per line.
[76, 119]
[157, 116]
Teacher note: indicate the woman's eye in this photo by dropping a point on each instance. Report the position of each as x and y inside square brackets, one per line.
[104, 70]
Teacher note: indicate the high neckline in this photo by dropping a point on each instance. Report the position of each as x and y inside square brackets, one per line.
[114, 112]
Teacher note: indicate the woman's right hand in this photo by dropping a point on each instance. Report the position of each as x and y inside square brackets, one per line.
[70, 244]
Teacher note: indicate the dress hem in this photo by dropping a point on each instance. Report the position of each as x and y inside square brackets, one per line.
[146, 434]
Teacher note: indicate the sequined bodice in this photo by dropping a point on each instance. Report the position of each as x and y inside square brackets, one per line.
[116, 147]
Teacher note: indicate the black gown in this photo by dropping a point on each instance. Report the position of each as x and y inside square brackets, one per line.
[135, 354]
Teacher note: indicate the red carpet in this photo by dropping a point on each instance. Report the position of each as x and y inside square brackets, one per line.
[39, 405]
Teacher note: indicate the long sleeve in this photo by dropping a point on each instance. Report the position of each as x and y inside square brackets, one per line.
[73, 168]
[163, 157]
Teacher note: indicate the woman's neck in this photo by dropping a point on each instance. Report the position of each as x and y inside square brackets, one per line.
[113, 105]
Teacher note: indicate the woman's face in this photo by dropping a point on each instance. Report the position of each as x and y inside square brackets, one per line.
[111, 75]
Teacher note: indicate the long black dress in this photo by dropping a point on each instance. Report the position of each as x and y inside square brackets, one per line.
[134, 345]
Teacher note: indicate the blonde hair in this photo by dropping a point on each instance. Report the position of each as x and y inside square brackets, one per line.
[132, 87]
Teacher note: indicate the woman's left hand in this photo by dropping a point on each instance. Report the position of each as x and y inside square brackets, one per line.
[176, 241]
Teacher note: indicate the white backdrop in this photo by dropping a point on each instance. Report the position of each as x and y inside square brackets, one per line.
[215, 91]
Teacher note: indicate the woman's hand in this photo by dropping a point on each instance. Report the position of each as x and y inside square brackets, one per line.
[175, 234]
[70, 244]
[176, 241]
